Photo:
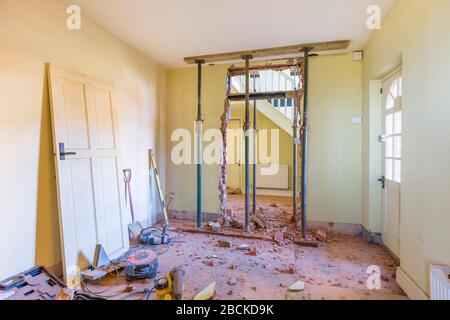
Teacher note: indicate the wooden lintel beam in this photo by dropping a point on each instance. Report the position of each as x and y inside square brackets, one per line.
[235, 234]
[263, 95]
[270, 52]
[236, 71]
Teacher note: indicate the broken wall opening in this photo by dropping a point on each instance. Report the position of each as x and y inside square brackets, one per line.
[291, 94]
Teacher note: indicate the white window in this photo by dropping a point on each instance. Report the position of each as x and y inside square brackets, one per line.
[393, 132]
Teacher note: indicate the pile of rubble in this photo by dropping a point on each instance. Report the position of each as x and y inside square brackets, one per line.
[268, 222]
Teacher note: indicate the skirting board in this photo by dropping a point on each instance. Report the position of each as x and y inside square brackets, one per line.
[192, 216]
[412, 290]
[349, 229]
[274, 192]
[392, 254]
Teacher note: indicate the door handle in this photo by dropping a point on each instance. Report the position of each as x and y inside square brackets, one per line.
[383, 182]
[63, 153]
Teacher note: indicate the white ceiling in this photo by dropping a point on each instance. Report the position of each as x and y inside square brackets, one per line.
[168, 30]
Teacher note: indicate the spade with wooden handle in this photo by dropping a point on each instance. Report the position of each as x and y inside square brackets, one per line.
[134, 228]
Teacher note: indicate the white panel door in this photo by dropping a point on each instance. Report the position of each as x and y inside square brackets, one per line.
[392, 162]
[88, 176]
[235, 156]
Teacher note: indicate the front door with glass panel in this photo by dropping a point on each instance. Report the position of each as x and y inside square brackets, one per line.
[392, 162]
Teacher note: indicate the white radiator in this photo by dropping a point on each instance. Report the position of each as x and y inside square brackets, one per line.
[272, 177]
[440, 282]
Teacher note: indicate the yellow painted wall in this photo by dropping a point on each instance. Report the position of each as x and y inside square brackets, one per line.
[335, 149]
[334, 174]
[417, 36]
[371, 157]
[181, 113]
[31, 34]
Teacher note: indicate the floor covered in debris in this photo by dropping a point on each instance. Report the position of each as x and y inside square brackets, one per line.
[251, 269]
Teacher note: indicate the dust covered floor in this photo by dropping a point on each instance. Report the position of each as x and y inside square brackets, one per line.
[337, 270]
[276, 210]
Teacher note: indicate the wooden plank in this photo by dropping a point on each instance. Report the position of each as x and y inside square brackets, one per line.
[259, 221]
[308, 242]
[240, 71]
[263, 95]
[225, 234]
[270, 52]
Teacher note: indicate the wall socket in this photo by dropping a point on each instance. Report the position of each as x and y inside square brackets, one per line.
[358, 55]
[357, 120]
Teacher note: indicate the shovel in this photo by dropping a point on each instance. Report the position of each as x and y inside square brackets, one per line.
[135, 228]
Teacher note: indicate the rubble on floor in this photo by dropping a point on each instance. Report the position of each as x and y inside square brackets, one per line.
[298, 286]
[244, 247]
[272, 222]
[215, 227]
[321, 235]
[207, 293]
[234, 191]
[335, 270]
[224, 244]
[267, 266]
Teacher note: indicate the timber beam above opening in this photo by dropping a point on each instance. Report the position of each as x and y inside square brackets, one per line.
[240, 71]
[270, 52]
[263, 95]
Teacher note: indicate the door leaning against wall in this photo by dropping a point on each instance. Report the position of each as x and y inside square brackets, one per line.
[392, 161]
[85, 136]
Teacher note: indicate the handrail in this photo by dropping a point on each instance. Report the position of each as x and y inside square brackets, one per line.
[272, 81]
